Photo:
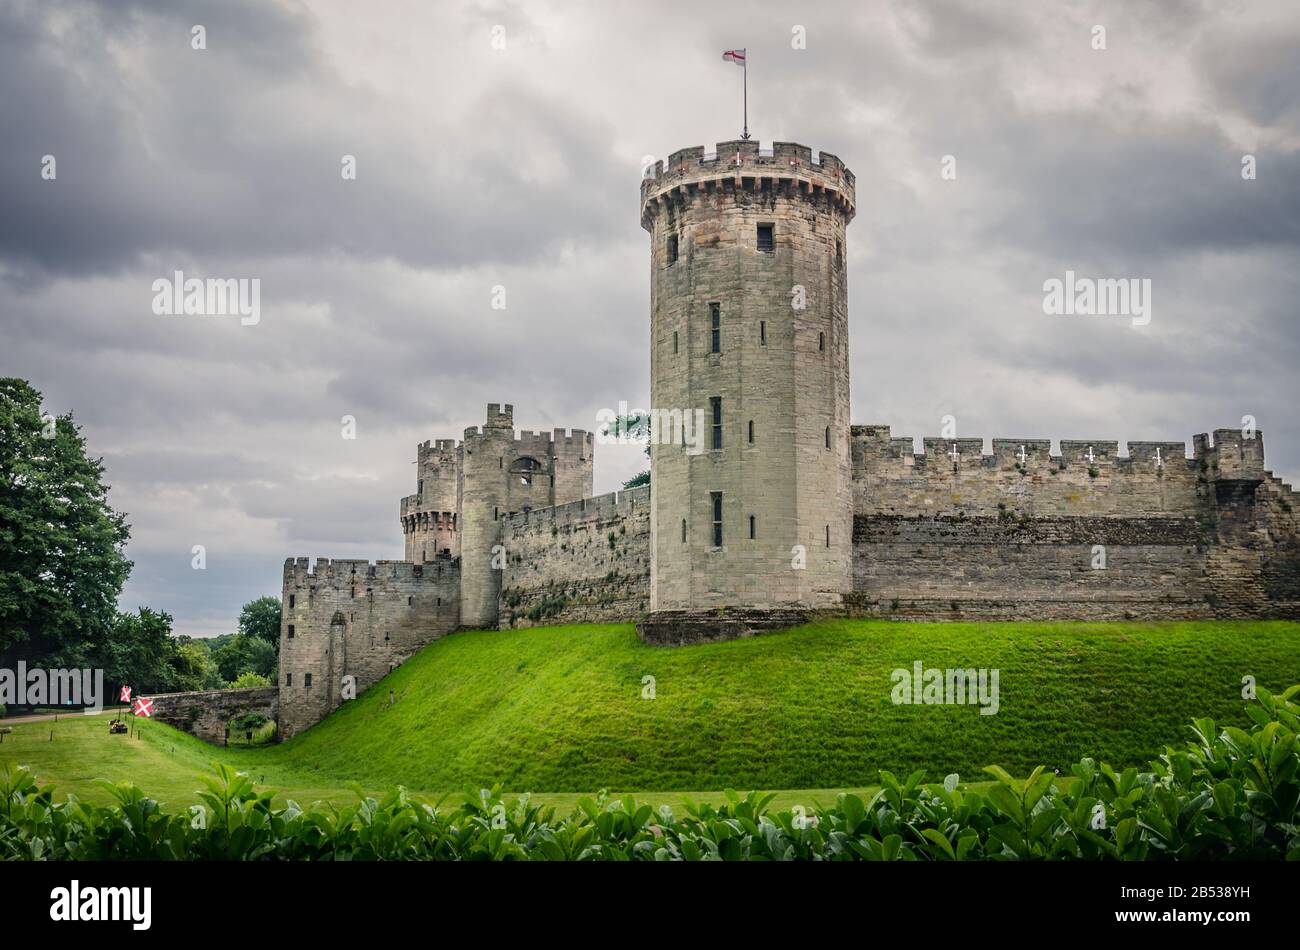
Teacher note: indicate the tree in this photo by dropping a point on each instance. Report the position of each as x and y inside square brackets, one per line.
[62, 564]
[635, 425]
[192, 667]
[261, 618]
[244, 654]
[140, 652]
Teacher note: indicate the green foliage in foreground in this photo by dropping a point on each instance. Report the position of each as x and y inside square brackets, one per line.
[1229, 794]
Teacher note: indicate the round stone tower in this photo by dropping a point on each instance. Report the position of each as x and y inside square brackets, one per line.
[749, 344]
[483, 499]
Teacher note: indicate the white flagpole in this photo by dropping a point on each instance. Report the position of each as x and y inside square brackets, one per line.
[745, 71]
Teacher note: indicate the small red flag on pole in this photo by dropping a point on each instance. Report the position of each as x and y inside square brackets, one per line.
[144, 707]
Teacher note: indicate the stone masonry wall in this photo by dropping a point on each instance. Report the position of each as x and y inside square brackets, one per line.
[584, 562]
[205, 713]
[348, 618]
[953, 533]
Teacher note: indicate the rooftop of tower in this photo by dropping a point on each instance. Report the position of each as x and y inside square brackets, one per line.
[742, 163]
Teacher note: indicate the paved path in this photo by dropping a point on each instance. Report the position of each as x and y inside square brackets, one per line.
[43, 717]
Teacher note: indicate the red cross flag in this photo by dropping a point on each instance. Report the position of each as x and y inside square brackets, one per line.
[736, 56]
[144, 707]
[126, 695]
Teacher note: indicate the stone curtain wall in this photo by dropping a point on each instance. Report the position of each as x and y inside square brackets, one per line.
[947, 535]
[205, 714]
[354, 618]
[562, 568]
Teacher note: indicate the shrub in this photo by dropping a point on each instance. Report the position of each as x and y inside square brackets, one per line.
[249, 679]
[1227, 794]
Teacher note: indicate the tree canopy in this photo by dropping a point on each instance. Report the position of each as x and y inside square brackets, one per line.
[62, 560]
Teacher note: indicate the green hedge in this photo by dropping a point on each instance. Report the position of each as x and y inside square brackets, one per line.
[1229, 794]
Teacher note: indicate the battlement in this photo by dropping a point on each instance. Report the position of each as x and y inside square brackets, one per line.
[1229, 456]
[1232, 455]
[616, 503]
[744, 164]
[346, 572]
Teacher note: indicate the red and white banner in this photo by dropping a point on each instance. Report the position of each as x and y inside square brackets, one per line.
[736, 56]
[144, 707]
[126, 695]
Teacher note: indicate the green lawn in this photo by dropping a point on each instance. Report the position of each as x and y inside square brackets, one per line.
[559, 711]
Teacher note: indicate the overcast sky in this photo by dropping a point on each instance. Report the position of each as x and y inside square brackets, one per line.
[479, 166]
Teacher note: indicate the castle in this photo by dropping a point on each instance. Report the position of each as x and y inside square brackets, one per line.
[788, 509]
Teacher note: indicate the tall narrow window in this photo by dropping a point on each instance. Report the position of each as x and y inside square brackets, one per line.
[290, 631]
[306, 680]
[751, 527]
[751, 431]
[828, 535]
[828, 437]
[672, 249]
[288, 679]
[821, 342]
[715, 407]
[292, 599]
[762, 332]
[496, 513]
[683, 531]
[839, 253]
[717, 518]
[765, 237]
[674, 341]
[715, 328]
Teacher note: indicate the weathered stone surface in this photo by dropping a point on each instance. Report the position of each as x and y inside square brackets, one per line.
[685, 627]
[502, 529]
[206, 713]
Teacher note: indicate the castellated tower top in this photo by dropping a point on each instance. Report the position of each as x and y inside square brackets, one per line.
[499, 418]
[741, 164]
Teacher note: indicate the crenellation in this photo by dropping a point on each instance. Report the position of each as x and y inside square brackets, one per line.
[789, 509]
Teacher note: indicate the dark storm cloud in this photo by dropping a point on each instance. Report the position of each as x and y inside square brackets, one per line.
[518, 168]
[165, 149]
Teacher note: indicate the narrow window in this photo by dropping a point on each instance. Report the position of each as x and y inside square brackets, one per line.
[439, 601]
[751, 527]
[410, 601]
[821, 342]
[288, 679]
[717, 518]
[385, 636]
[306, 680]
[715, 327]
[751, 431]
[715, 406]
[419, 488]
[828, 437]
[683, 531]
[839, 253]
[765, 237]
[290, 631]
[496, 513]
[674, 341]
[501, 462]
[672, 249]
[762, 332]
[292, 599]
[828, 535]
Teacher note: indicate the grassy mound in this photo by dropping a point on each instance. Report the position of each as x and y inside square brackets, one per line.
[560, 709]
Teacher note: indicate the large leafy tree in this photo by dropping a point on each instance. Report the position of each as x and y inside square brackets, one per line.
[261, 618]
[62, 561]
